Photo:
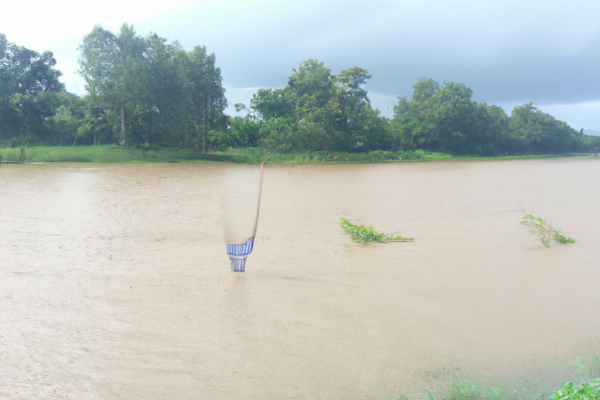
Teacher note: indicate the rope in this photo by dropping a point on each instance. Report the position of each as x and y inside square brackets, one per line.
[260, 194]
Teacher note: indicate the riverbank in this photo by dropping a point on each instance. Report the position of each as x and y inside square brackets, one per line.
[107, 154]
[113, 154]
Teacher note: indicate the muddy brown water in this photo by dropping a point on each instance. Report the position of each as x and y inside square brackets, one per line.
[114, 282]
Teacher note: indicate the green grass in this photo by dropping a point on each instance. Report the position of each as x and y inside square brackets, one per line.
[569, 391]
[362, 234]
[468, 390]
[522, 389]
[256, 155]
[125, 155]
[109, 154]
[542, 229]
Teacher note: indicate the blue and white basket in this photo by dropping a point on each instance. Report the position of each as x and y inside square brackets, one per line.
[238, 253]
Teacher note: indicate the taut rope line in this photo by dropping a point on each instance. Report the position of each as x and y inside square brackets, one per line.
[262, 165]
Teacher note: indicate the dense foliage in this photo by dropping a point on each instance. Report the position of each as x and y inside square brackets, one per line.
[569, 391]
[143, 91]
[445, 118]
[148, 91]
[140, 91]
[30, 93]
[320, 111]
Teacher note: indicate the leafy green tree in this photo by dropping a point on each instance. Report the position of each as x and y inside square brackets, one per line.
[95, 125]
[207, 92]
[24, 75]
[153, 91]
[320, 111]
[111, 66]
[312, 79]
[589, 143]
[63, 126]
[162, 109]
[244, 131]
[445, 118]
[274, 103]
[532, 131]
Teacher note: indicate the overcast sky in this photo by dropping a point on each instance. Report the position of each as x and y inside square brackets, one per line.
[509, 52]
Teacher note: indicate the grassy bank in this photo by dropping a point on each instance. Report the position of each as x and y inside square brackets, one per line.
[110, 154]
[126, 155]
[257, 155]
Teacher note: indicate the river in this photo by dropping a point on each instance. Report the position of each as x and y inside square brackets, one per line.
[115, 284]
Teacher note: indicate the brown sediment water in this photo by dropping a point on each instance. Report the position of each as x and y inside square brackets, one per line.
[115, 284]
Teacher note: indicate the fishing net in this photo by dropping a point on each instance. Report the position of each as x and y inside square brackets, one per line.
[239, 252]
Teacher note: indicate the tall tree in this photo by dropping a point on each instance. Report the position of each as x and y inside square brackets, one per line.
[24, 74]
[207, 92]
[323, 111]
[534, 131]
[111, 66]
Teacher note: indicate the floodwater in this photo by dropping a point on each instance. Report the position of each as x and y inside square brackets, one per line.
[115, 284]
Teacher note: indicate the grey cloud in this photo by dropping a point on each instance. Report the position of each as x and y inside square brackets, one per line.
[545, 51]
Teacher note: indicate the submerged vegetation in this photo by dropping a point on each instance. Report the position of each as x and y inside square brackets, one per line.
[583, 391]
[362, 234]
[546, 233]
[467, 390]
[582, 369]
[587, 391]
[520, 389]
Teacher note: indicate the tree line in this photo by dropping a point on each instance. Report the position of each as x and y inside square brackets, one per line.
[140, 91]
[143, 91]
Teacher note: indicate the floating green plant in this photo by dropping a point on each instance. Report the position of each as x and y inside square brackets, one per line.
[362, 234]
[542, 229]
[587, 391]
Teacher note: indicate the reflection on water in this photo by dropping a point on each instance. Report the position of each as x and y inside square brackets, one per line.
[239, 193]
[114, 283]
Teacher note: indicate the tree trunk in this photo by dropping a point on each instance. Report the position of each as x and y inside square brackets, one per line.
[206, 114]
[204, 136]
[122, 138]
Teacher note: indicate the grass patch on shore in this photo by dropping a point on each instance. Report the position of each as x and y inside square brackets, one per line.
[110, 154]
[255, 155]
